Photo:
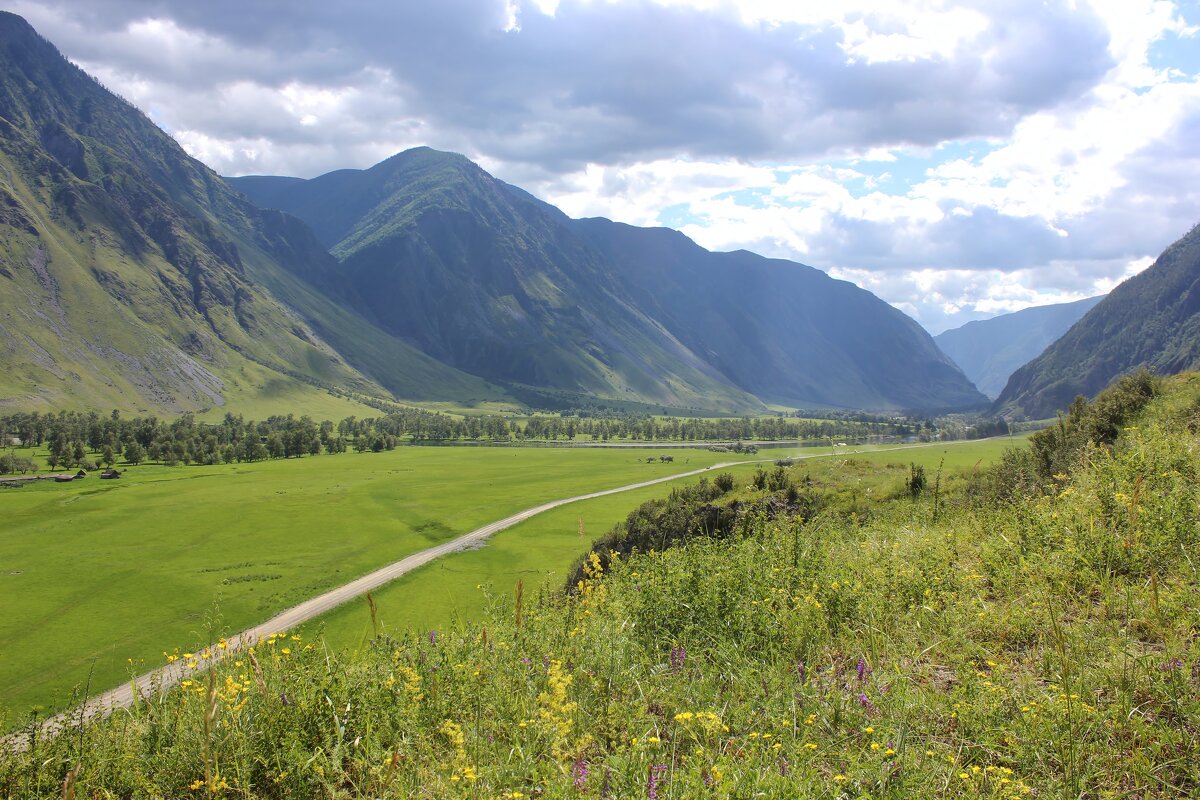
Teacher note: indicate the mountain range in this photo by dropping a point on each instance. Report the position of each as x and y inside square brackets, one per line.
[1151, 320]
[487, 278]
[988, 351]
[136, 278]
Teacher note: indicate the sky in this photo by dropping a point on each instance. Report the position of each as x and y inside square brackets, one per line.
[958, 159]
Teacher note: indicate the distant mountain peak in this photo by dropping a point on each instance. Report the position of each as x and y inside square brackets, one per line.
[496, 282]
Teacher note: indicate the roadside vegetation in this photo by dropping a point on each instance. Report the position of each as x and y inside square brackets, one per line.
[1024, 630]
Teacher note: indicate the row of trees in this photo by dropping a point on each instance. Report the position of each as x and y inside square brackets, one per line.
[88, 439]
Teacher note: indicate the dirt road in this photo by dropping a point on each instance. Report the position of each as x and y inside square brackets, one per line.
[171, 674]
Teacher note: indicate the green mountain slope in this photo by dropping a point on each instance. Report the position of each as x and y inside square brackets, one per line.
[487, 278]
[133, 277]
[493, 282]
[1151, 320]
[990, 350]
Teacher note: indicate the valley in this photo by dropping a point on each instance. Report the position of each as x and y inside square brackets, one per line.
[397, 480]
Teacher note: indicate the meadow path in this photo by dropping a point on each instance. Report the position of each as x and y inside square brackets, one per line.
[169, 675]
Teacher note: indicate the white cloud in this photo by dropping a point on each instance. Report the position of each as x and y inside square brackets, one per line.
[827, 132]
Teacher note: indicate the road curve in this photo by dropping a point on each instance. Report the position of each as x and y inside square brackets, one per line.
[169, 675]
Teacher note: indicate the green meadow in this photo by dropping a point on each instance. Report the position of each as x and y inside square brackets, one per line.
[95, 573]
[541, 551]
[98, 578]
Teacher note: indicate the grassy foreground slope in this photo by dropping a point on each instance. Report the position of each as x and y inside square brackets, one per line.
[1030, 633]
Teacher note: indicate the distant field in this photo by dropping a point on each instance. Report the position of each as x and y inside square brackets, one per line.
[98, 578]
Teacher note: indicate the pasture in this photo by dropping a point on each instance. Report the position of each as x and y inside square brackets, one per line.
[541, 551]
[98, 579]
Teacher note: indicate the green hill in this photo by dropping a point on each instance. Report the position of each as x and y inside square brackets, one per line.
[132, 277]
[444, 256]
[990, 350]
[784, 331]
[1151, 320]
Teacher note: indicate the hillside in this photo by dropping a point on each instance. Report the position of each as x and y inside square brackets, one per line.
[1150, 320]
[446, 257]
[487, 278]
[850, 630]
[784, 331]
[132, 277]
[990, 350]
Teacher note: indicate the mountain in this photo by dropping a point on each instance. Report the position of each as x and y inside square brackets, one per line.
[990, 350]
[1150, 320]
[784, 331]
[487, 278]
[132, 276]
[493, 282]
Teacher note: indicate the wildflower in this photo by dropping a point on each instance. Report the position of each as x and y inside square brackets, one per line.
[800, 669]
[861, 670]
[653, 779]
[579, 773]
[1172, 665]
[678, 656]
[433, 637]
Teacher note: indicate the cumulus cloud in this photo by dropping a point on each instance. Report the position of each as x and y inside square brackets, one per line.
[835, 134]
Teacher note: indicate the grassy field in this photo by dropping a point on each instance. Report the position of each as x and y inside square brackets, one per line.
[95, 573]
[540, 551]
[98, 578]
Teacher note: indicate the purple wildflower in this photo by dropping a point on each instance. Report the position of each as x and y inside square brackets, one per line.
[657, 771]
[866, 703]
[800, 670]
[1172, 665]
[678, 656]
[433, 637]
[861, 669]
[579, 773]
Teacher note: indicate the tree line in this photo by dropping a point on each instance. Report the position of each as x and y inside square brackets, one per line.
[88, 439]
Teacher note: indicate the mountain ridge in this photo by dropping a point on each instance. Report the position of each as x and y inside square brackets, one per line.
[135, 278]
[428, 208]
[1150, 320]
[990, 350]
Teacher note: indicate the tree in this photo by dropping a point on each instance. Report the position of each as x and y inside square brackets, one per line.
[134, 452]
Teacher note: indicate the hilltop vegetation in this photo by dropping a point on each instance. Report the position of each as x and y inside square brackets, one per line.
[1023, 631]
